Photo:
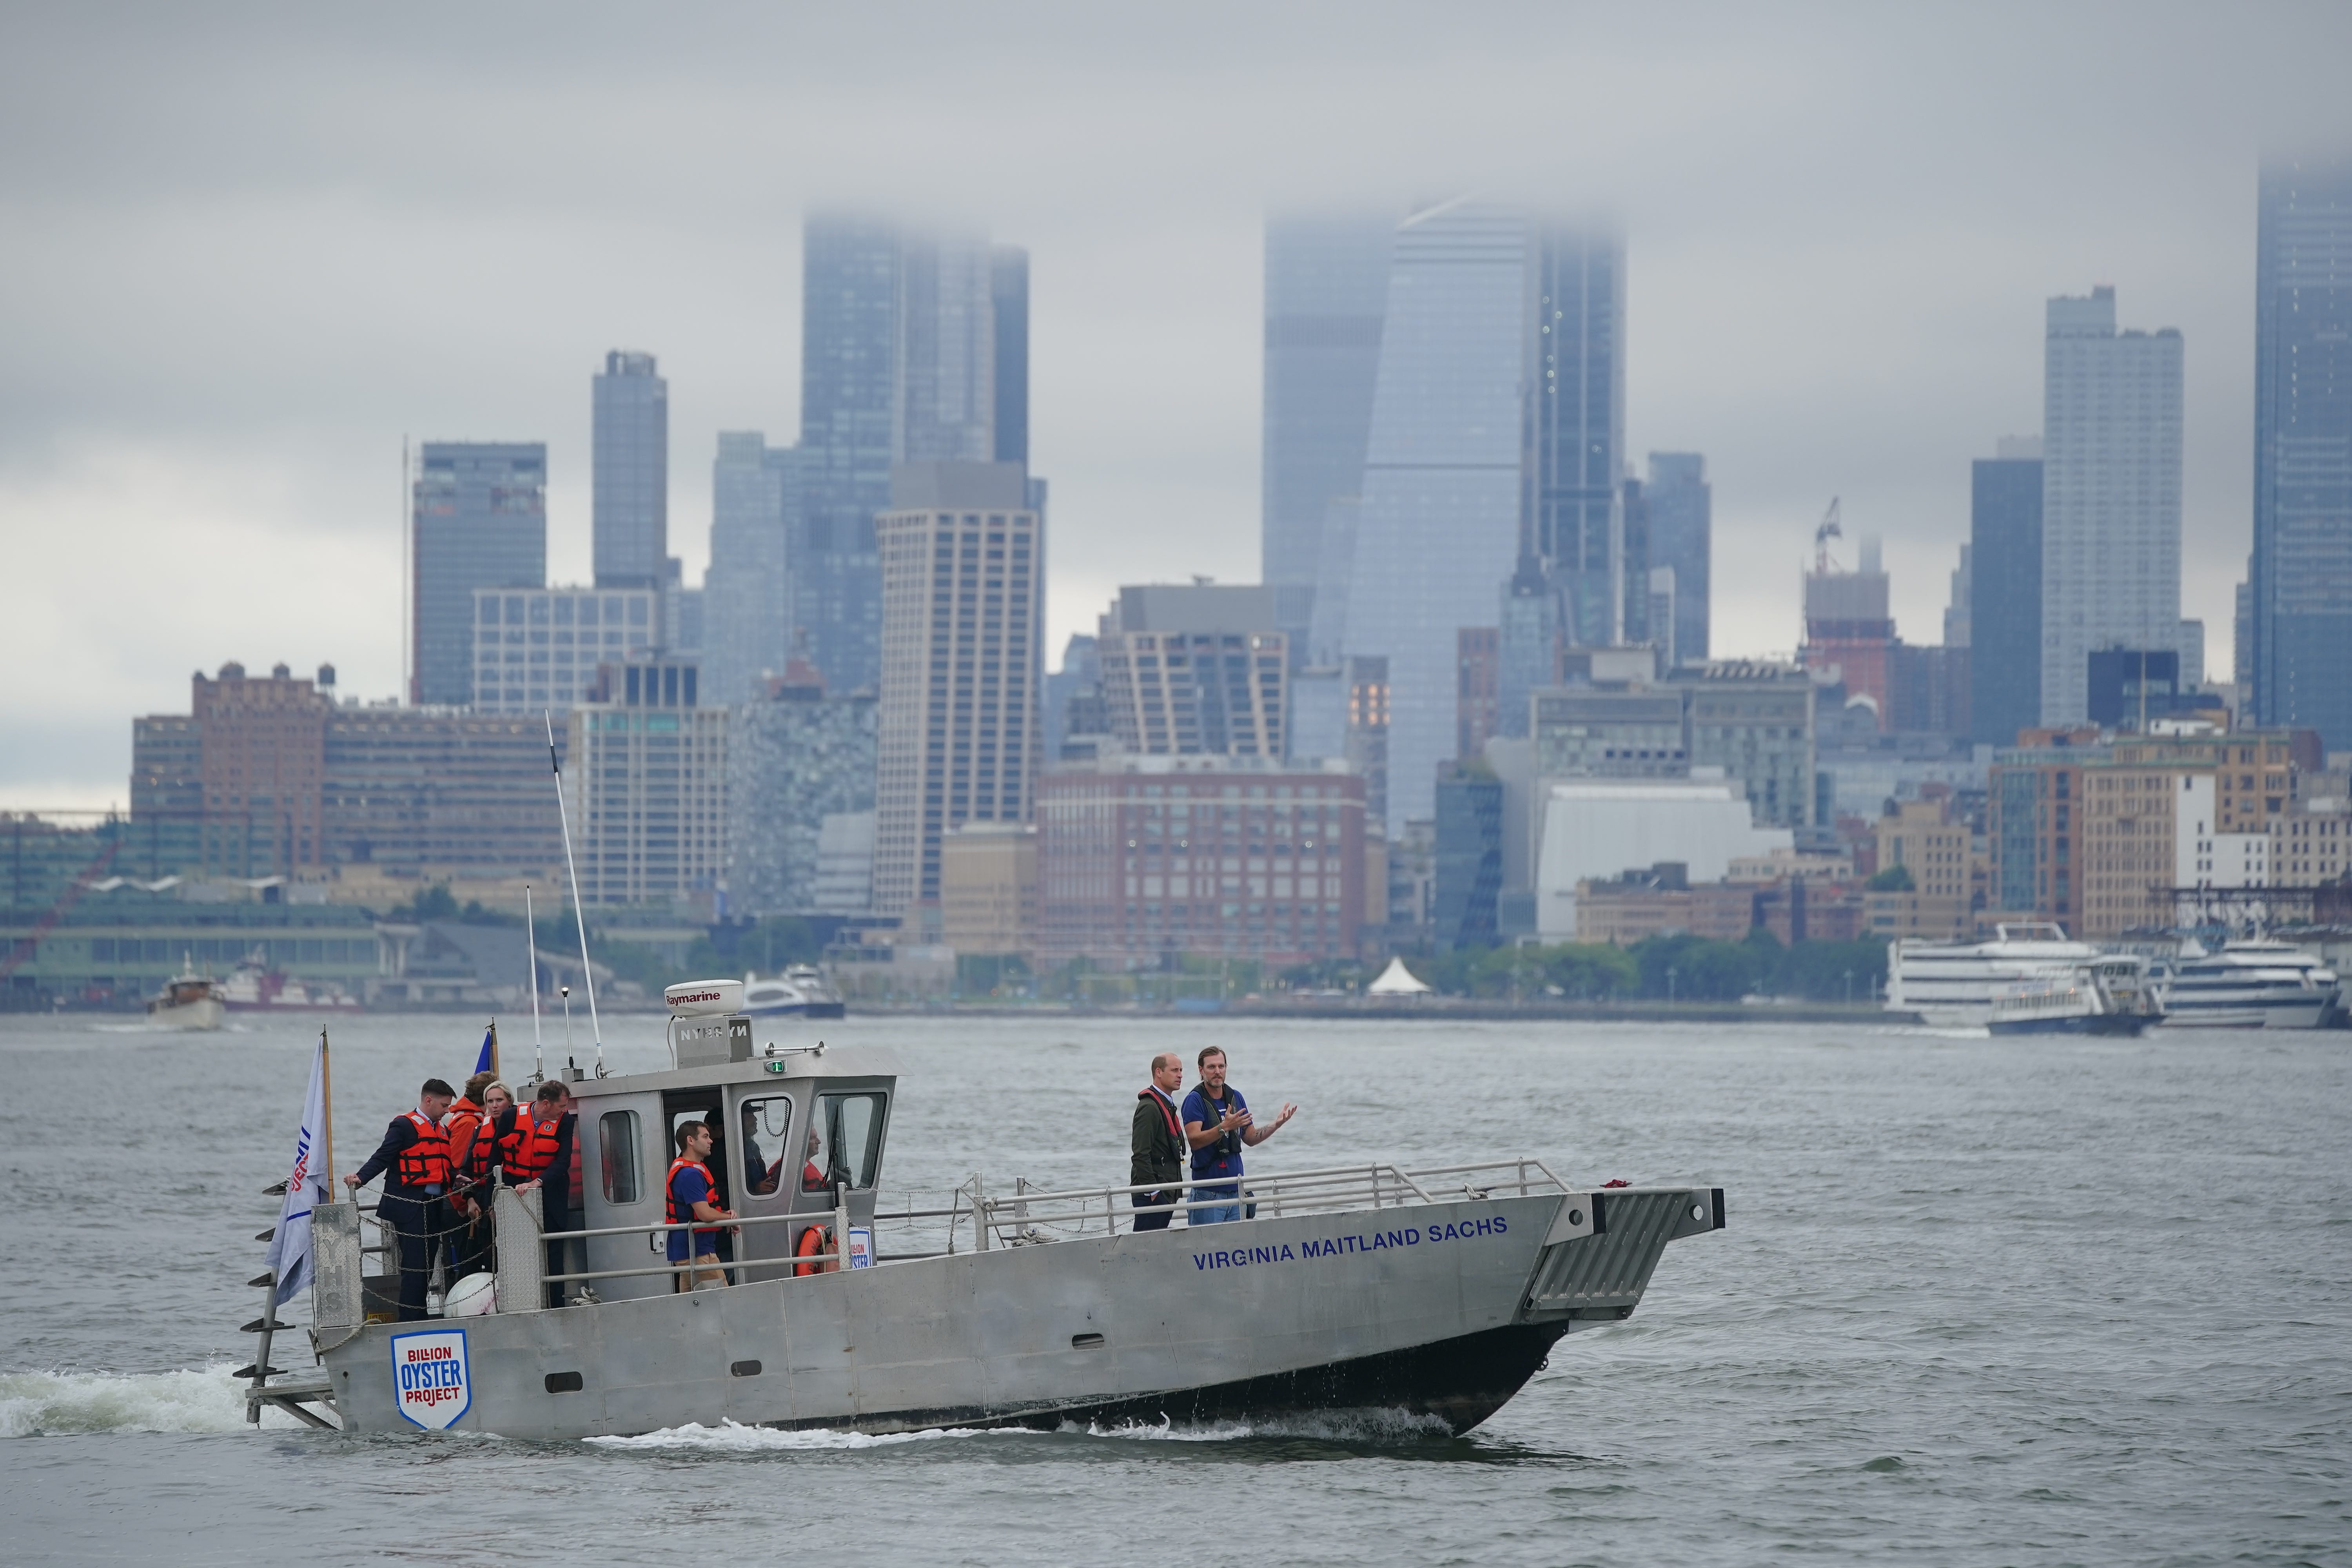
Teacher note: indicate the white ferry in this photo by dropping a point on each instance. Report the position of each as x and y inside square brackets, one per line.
[799, 992]
[2250, 986]
[2030, 977]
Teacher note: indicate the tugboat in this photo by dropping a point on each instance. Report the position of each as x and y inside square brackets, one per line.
[188, 1001]
[1437, 1292]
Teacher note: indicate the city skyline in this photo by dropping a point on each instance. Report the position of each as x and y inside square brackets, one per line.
[1143, 370]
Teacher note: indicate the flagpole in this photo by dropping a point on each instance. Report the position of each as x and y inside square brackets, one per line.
[579, 916]
[327, 1100]
[494, 1049]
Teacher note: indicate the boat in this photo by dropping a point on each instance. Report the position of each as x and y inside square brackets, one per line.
[188, 1001]
[2043, 981]
[799, 992]
[1436, 1292]
[2250, 986]
[252, 988]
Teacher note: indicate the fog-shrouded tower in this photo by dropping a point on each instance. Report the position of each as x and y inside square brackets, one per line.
[2110, 495]
[914, 349]
[631, 457]
[2299, 595]
[1326, 284]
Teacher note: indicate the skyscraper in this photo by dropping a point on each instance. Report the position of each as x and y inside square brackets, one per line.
[1575, 436]
[631, 504]
[1194, 668]
[962, 605]
[480, 520]
[2005, 592]
[947, 350]
[2110, 495]
[2299, 595]
[1681, 536]
[755, 502]
[1491, 467]
[1327, 283]
[1009, 293]
[908, 336]
[849, 357]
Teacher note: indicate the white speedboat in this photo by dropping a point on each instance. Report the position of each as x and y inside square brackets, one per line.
[2250, 986]
[799, 992]
[2043, 979]
[188, 1001]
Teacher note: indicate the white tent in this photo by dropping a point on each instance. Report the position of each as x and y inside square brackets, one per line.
[1396, 980]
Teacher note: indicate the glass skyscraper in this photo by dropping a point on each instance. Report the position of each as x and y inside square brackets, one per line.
[630, 455]
[2005, 592]
[1008, 292]
[747, 600]
[901, 361]
[1490, 491]
[2110, 495]
[1327, 283]
[2299, 599]
[478, 521]
[1681, 505]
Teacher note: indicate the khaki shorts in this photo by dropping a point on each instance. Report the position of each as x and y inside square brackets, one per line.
[709, 1274]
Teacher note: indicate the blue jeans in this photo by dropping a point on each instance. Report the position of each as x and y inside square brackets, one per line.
[1216, 1213]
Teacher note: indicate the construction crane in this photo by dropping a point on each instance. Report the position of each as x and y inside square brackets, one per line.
[1828, 530]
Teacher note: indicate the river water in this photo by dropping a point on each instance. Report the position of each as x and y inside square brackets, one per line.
[1980, 1301]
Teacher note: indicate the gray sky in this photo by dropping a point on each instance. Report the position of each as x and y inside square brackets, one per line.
[248, 250]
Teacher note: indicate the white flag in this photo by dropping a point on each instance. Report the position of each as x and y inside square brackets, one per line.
[289, 1249]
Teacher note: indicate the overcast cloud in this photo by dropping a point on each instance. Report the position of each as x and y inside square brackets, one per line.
[247, 251]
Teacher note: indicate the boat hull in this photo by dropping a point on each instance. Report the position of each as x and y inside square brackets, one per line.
[2077, 1024]
[2294, 1011]
[206, 1015]
[796, 1010]
[1441, 1311]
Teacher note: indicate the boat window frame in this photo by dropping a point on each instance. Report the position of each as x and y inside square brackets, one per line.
[877, 1138]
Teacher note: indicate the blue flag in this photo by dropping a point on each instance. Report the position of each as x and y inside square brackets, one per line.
[490, 1044]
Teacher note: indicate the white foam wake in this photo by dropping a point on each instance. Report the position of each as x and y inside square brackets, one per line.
[1327, 1426]
[731, 1436]
[50, 1403]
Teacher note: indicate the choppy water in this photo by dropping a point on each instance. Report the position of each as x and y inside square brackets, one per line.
[1979, 1301]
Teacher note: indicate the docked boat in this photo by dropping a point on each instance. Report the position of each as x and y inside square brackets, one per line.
[1436, 1292]
[188, 1001]
[799, 992]
[2030, 978]
[2250, 986]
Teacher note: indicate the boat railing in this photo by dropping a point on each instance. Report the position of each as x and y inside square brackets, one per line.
[1028, 1216]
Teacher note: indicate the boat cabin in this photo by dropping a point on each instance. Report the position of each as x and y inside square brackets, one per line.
[790, 1131]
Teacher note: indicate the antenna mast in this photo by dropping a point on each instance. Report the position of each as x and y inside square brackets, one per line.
[579, 917]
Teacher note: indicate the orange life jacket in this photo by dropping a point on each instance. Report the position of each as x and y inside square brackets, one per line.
[816, 1238]
[683, 1214]
[534, 1145]
[463, 1126]
[487, 1149]
[424, 1163]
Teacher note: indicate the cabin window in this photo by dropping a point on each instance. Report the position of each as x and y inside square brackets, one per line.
[616, 1139]
[767, 1124]
[846, 1144]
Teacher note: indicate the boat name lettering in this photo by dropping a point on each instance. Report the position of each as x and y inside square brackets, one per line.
[1355, 1242]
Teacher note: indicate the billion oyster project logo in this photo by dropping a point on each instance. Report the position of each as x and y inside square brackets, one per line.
[429, 1377]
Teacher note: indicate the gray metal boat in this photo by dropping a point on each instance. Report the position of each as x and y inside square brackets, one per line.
[1434, 1292]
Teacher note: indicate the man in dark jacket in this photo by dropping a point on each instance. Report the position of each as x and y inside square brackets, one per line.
[1156, 1144]
[413, 1160]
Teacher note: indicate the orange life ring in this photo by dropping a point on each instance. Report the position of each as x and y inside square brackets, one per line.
[816, 1239]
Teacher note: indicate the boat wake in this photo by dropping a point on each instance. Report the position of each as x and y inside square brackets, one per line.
[1372, 1425]
[730, 1437]
[61, 1404]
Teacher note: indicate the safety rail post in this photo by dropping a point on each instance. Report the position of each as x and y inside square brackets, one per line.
[520, 1268]
[841, 1225]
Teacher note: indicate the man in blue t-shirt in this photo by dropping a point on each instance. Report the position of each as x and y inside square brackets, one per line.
[692, 1189]
[1217, 1124]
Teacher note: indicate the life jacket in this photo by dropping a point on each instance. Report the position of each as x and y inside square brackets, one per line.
[487, 1149]
[816, 1239]
[424, 1163]
[683, 1214]
[1167, 1115]
[462, 1125]
[535, 1148]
